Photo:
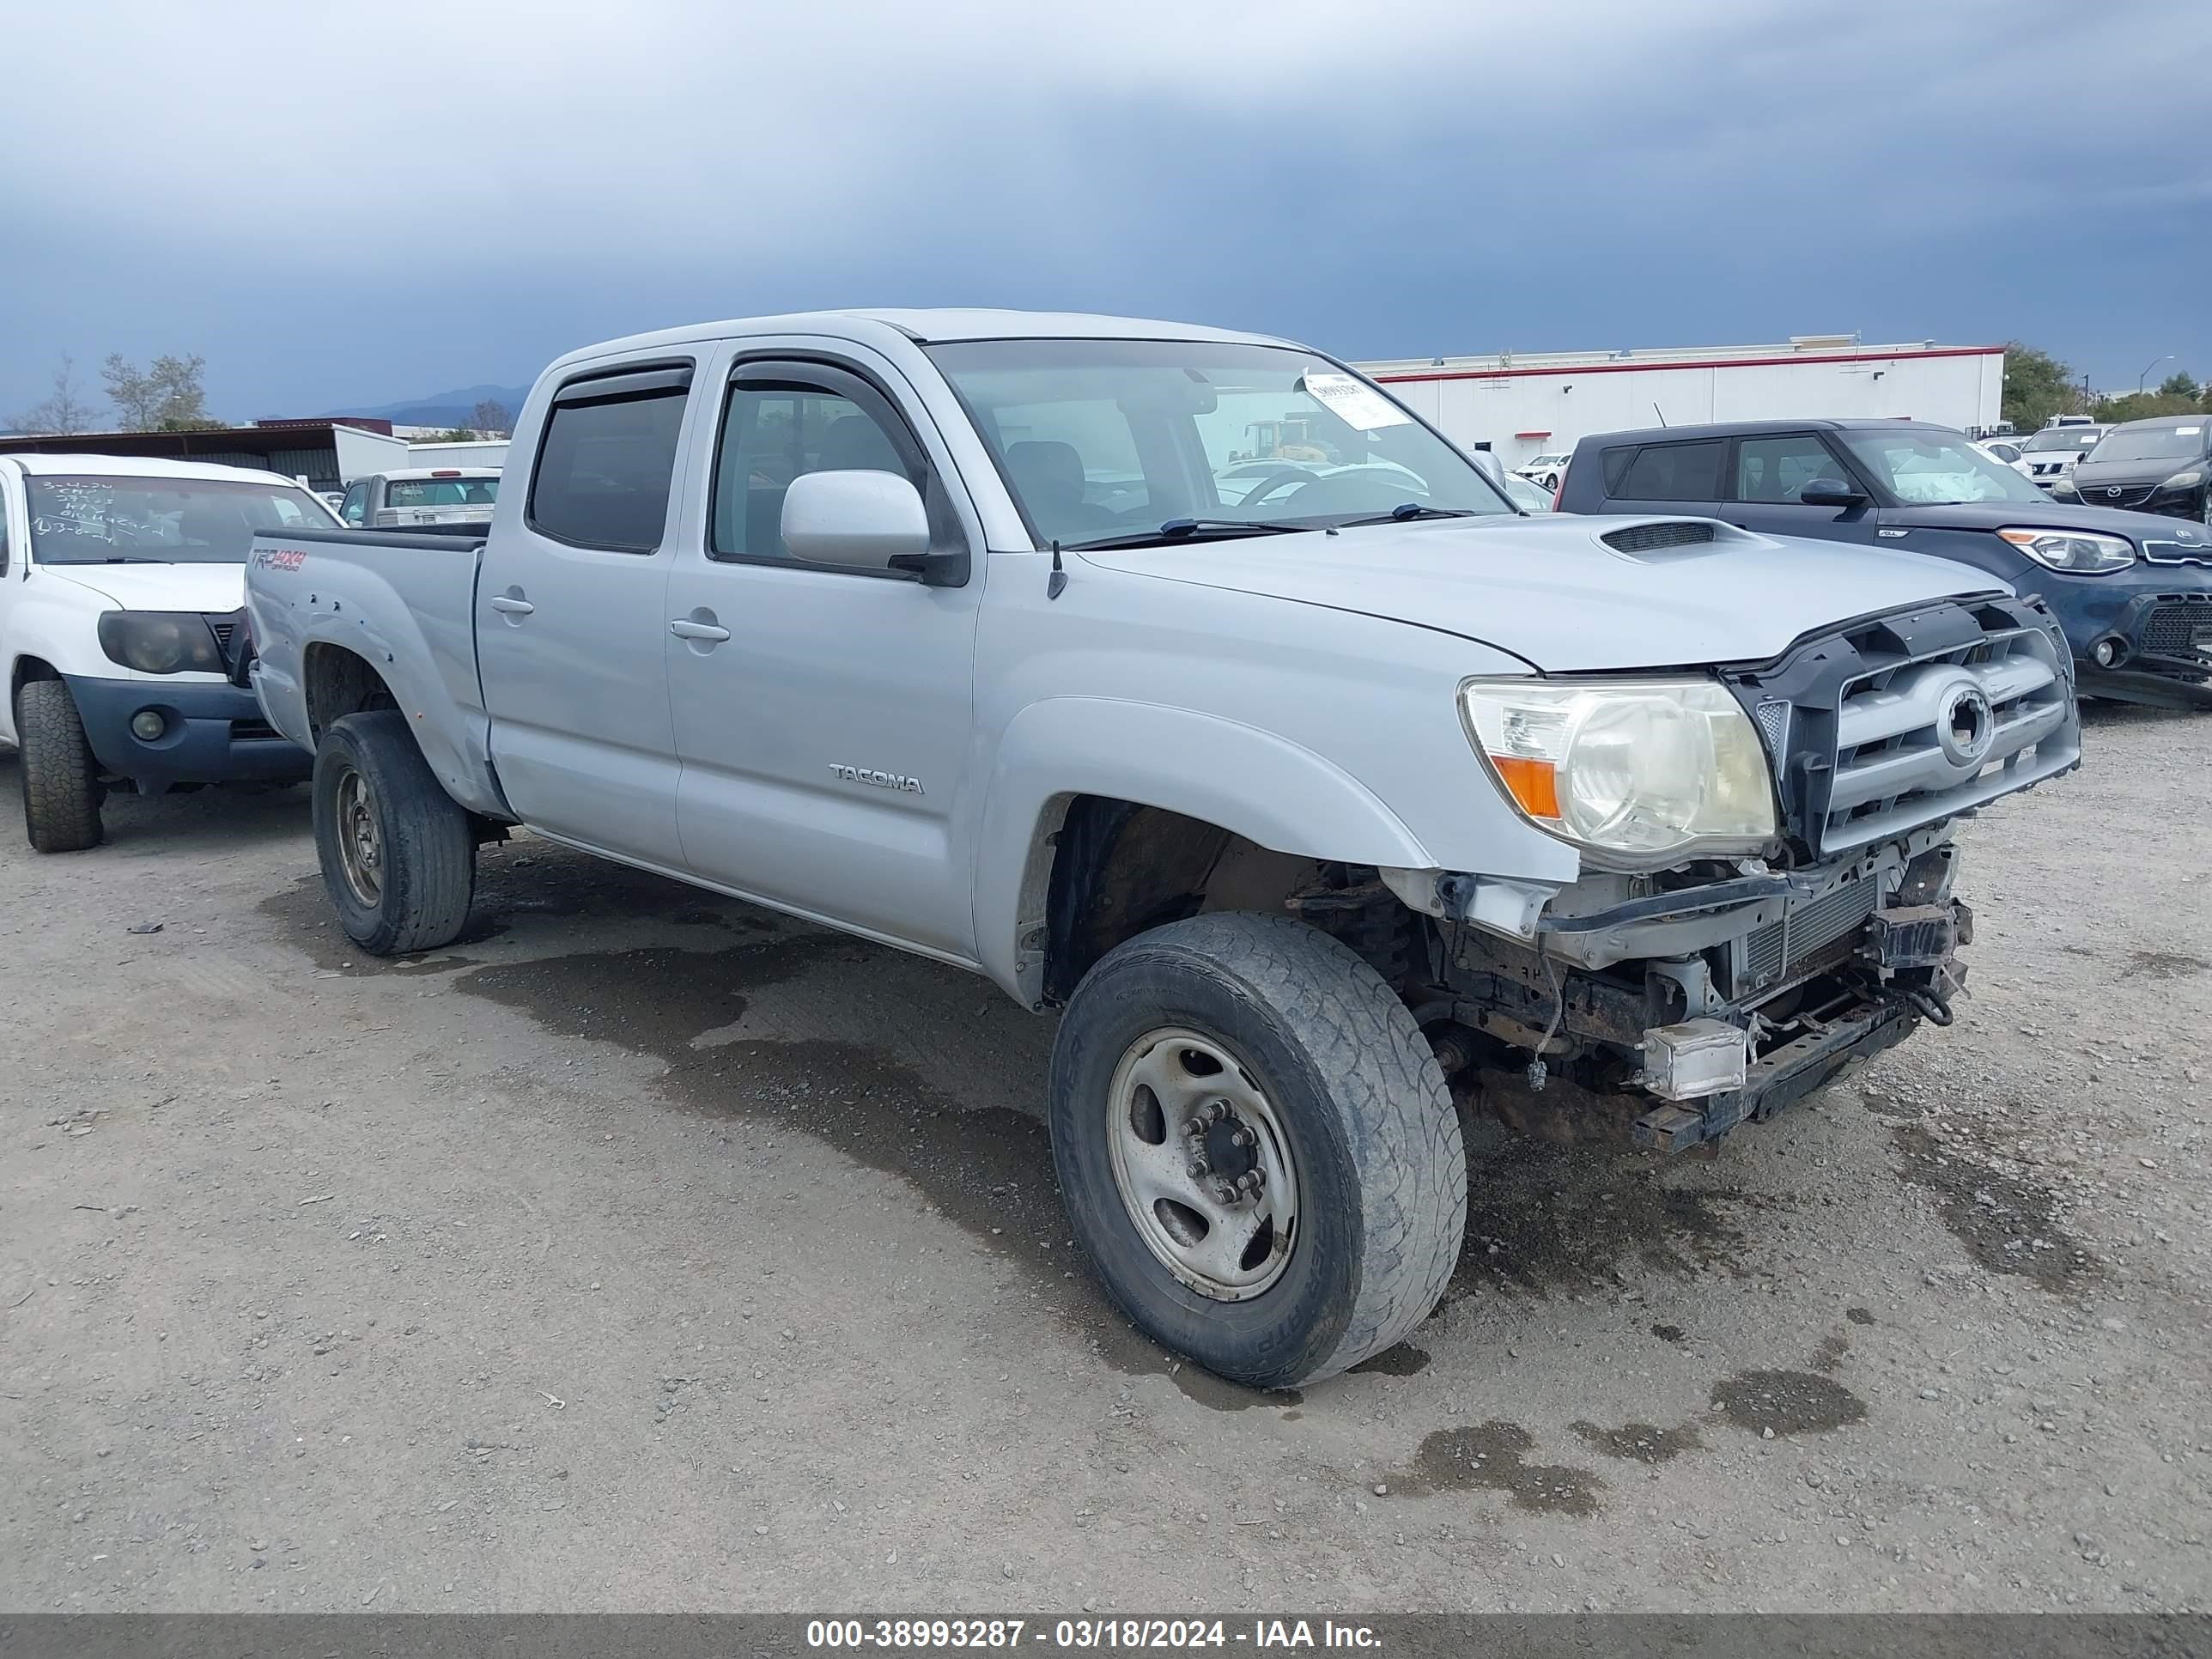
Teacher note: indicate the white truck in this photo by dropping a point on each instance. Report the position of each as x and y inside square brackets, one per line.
[417, 496]
[121, 583]
[1322, 807]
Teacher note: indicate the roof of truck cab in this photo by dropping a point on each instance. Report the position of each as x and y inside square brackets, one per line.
[411, 474]
[926, 327]
[93, 465]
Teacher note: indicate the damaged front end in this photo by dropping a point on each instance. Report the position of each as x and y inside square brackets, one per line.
[1674, 1005]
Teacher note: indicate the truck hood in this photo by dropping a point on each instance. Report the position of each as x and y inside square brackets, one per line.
[1549, 591]
[206, 588]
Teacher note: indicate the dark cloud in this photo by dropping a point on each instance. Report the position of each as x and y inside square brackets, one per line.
[334, 210]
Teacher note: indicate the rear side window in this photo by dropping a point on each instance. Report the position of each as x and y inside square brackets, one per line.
[607, 461]
[1675, 472]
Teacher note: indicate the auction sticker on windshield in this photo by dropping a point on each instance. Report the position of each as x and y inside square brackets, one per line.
[1356, 404]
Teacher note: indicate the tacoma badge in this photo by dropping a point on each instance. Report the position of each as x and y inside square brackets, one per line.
[880, 780]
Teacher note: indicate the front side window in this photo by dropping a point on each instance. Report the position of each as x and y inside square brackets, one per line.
[355, 508]
[605, 467]
[1923, 467]
[1776, 469]
[771, 433]
[1675, 472]
[1099, 440]
[94, 520]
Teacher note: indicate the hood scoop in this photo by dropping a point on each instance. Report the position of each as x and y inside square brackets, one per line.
[1660, 534]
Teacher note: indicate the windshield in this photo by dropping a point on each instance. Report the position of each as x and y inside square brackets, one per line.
[1101, 439]
[133, 521]
[2150, 443]
[2062, 437]
[1925, 468]
[441, 492]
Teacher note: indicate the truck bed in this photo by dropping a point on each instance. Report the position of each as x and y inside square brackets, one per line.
[404, 602]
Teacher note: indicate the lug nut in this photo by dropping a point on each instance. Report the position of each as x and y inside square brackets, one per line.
[1225, 1193]
[1242, 1137]
[1196, 1168]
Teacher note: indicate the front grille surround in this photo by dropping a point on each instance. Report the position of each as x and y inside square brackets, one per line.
[1866, 758]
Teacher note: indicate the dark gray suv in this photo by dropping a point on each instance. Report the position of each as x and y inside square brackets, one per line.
[2132, 590]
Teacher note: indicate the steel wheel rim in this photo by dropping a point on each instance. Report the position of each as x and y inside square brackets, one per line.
[361, 844]
[1178, 1115]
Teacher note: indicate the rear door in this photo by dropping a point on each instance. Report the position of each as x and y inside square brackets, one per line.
[1667, 477]
[1767, 474]
[572, 617]
[824, 714]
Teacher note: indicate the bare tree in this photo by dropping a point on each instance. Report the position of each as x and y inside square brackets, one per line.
[63, 413]
[167, 395]
[490, 418]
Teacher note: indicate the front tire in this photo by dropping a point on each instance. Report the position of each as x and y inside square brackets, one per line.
[1199, 1055]
[397, 852]
[62, 791]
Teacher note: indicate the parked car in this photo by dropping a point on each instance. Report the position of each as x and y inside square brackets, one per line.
[2162, 466]
[1528, 497]
[121, 583]
[1543, 471]
[1305, 816]
[2003, 450]
[2049, 455]
[2133, 591]
[412, 499]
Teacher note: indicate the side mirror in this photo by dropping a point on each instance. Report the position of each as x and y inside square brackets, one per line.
[1832, 492]
[864, 519]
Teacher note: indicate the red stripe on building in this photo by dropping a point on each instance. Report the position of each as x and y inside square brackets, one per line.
[1629, 366]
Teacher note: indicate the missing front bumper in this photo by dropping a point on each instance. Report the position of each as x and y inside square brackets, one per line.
[1783, 1076]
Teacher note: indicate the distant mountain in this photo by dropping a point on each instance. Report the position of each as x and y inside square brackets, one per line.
[444, 408]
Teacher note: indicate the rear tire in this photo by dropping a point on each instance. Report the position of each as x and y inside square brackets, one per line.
[1323, 1057]
[398, 856]
[62, 791]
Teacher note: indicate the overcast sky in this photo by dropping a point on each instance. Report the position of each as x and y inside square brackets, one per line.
[341, 203]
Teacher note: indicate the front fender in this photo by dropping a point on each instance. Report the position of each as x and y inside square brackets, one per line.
[1253, 783]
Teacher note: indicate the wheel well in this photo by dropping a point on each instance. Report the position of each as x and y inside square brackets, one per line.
[1120, 869]
[27, 669]
[338, 684]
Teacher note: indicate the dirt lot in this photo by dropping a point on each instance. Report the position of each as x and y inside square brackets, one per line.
[645, 1251]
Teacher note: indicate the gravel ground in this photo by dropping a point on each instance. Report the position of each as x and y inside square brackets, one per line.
[645, 1251]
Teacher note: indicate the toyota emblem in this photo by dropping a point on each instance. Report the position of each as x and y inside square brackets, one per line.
[1967, 726]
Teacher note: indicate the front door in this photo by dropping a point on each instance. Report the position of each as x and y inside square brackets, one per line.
[1767, 476]
[823, 714]
[572, 619]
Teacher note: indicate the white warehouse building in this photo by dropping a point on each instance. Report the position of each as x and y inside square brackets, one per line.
[1522, 404]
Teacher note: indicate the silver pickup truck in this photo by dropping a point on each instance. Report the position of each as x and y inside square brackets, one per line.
[1184, 683]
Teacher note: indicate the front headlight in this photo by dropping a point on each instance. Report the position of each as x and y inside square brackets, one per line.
[2063, 491]
[2076, 553]
[160, 642]
[1644, 767]
[2189, 478]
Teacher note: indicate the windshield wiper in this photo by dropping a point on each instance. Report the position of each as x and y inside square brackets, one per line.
[1183, 529]
[1407, 511]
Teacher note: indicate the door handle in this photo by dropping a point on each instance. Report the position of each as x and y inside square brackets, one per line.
[684, 629]
[513, 607]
